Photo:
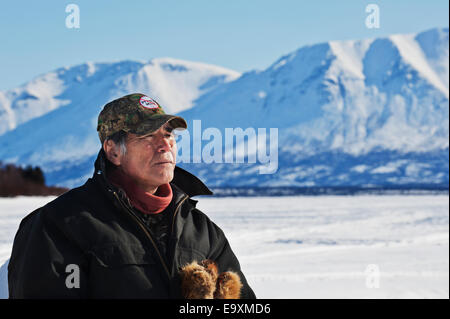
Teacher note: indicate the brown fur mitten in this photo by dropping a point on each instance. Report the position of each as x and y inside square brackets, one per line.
[211, 268]
[198, 281]
[228, 286]
[201, 280]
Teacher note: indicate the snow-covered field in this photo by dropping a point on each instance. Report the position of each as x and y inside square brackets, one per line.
[317, 247]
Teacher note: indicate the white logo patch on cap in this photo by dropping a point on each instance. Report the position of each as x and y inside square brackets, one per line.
[148, 103]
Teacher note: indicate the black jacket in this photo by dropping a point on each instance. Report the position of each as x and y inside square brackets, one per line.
[94, 228]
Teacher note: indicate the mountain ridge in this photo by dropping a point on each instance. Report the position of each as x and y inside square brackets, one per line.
[49, 91]
[369, 111]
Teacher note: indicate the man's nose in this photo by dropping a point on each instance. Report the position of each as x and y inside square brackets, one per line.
[164, 144]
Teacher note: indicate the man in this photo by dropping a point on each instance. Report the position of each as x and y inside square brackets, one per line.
[128, 231]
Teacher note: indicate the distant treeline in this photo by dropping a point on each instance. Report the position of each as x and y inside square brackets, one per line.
[438, 189]
[28, 181]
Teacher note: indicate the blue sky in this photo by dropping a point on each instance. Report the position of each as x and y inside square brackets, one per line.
[240, 35]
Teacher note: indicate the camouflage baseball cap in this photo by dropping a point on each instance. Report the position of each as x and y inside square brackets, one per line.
[134, 113]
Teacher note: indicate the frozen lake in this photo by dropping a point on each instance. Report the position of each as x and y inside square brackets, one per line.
[366, 246]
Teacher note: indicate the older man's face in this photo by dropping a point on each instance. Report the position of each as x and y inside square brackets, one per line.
[150, 159]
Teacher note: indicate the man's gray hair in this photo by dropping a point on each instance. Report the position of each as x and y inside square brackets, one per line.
[120, 139]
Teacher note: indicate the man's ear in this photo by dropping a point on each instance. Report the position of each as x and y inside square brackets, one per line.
[112, 152]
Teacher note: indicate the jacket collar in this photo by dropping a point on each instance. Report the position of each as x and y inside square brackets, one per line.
[183, 180]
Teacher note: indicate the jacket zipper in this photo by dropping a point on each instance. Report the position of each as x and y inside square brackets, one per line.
[176, 212]
[173, 238]
[147, 233]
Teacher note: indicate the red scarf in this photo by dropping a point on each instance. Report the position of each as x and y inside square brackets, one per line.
[142, 200]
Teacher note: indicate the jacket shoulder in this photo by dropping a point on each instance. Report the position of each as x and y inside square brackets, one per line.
[195, 214]
[68, 204]
[198, 222]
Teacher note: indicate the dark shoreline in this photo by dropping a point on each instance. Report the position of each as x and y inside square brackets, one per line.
[333, 190]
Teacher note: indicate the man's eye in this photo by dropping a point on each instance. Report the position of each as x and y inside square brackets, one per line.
[147, 139]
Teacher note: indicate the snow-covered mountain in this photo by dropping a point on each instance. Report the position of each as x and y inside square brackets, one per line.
[362, 112]
[371, 112]
[351, 96]
[51, 120]
[173, 83]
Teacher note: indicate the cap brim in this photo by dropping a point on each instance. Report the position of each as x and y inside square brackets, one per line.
[156, 122]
